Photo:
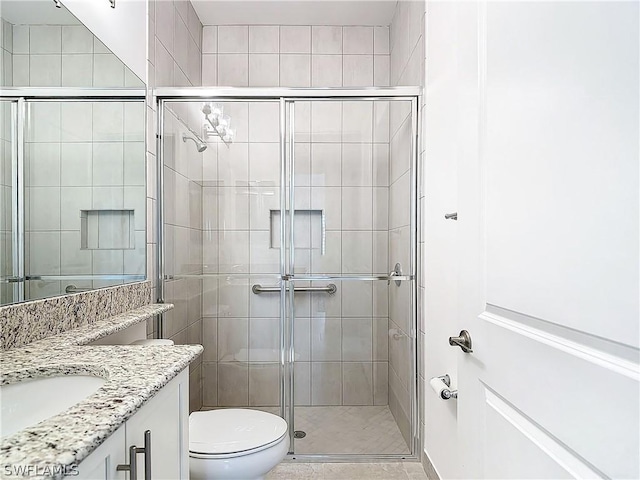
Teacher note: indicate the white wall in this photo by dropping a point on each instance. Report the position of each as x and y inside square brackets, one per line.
[122, 29]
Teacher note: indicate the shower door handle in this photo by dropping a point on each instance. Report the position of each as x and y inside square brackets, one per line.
[396, 272]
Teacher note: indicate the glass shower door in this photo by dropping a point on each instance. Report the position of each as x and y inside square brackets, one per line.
[222, 258]
[11, 289]
[353, 345]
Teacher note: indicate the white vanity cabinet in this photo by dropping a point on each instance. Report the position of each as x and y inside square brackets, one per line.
[102, 463]
[166, 418]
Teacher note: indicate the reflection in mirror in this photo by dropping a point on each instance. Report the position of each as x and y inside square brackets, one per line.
[72, 194]
[84, 195]
[45, 46]
[7, 206]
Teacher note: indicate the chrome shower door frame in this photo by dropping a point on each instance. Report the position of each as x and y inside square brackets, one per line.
[287, 97]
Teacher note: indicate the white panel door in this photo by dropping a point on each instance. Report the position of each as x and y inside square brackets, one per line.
[548, 220]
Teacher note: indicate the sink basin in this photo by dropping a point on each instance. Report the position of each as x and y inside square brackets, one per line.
[24, 404]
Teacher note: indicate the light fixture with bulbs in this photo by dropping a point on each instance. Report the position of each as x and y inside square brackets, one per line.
[218, 123]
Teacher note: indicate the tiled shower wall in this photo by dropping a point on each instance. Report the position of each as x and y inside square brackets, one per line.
[174, 59]
[6, 53]
[295, 56]
[65, 56]
[342, 157]
[341, 339]
[183, 230]
[407, 68]
[81, 156]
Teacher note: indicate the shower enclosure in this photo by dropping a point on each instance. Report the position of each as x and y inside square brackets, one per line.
[72, 190]
[290, 242]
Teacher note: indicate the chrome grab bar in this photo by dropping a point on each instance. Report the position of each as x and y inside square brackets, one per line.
[73, 289]
[330, 289]
[11, 279]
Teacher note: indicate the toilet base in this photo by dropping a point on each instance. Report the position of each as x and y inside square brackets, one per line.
[252, 466]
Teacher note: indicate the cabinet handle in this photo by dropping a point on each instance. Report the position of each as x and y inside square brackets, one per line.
[132, 466]
[147, 455]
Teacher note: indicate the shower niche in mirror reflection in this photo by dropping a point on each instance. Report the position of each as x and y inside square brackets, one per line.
[107, 229]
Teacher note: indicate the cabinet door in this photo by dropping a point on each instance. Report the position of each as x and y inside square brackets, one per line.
[102, 463]
[163, 417]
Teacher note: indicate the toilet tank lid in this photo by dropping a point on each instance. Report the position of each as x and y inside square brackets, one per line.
[232, 430]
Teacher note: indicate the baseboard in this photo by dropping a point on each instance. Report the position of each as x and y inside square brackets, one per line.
[429, 469]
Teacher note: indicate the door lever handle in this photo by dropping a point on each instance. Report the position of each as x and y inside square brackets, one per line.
[463, 341]
[451, 216]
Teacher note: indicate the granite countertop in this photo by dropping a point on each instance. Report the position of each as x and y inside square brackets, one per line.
[133, 374]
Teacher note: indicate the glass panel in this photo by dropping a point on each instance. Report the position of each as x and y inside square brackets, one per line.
[221, 196]
[85, 195]
[9, 290]
[354, 354]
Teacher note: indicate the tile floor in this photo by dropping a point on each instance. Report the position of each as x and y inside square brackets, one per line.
[349, 430]
[347, 471]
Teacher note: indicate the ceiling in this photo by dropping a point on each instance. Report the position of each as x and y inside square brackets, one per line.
[35, 12]
[295, 12]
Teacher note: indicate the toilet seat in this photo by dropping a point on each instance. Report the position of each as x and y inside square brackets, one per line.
[152, 341]
[233, 432]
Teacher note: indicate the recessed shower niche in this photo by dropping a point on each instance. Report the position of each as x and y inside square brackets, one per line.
[309, 228]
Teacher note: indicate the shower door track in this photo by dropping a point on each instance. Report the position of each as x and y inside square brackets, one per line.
[287, 98]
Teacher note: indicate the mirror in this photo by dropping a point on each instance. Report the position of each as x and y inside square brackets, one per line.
[73, 193]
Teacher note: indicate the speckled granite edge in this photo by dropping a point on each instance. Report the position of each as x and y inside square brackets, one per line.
[69, 437]
[102, 328]
[66, 439]
[27, 322]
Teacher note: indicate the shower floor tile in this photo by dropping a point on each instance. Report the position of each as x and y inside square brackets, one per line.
[346, 430]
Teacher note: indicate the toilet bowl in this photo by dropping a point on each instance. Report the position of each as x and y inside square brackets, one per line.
[152, 341]
[235, 443]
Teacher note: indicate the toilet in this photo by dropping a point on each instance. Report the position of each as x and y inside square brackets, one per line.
[153, 341]
[235, 443]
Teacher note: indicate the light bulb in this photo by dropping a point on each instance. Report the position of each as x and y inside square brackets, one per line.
[225, 121]
[229, 135]
[217, 110]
